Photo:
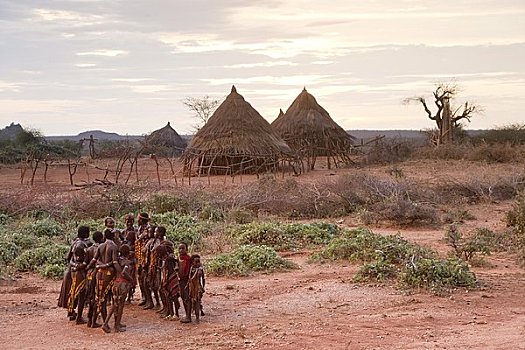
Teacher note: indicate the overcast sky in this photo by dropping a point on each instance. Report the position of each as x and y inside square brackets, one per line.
[124, 66]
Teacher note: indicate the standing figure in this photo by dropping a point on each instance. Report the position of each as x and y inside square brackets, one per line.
[77, 294]
[129, 235]
[140, 241]
[82, 240]
[169, 286]
[109, 224]
[184, 275]
[98, 238]
[121, 286]
[196, 285]
[105, 260]
[151, 272]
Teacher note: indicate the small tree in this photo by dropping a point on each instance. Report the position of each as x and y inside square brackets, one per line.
[447, 118]
[202, 107]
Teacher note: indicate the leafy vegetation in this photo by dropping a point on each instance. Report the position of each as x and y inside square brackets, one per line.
[438, 275]
[392, 257]
[284, 236]
[247, 259]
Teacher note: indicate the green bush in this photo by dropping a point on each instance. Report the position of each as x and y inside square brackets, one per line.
[468, 247]
[55, 271]
[44, 227]
[376, 271]
[362, 245]
[4, 219]
[182, 228]
[285, 236]
[245, 259]
[8, 251]
[516, 220]
[438, 275]
[37, 258]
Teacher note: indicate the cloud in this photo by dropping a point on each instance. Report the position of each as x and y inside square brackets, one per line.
[261, 64]
[103, 52]
[85, 65]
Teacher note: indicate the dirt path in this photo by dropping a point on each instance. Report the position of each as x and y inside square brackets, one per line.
[314, 307]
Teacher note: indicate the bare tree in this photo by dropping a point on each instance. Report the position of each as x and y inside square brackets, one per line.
[447, 118]
[202, 107]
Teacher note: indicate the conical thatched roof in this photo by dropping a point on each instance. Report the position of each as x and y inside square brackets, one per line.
[236, 130]
[166, 139]
[308, 129]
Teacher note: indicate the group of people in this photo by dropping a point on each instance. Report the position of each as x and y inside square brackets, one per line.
[106, 270]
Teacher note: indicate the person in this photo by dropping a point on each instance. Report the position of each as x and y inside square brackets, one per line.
[104, 260]
[129, 235]
[82, 240]
[109, 223]
[184, 275]
[196, 285]
[169, 287]
[120, 289]
[151, 271]
[98, 238]
[140, 241]
[77, 293]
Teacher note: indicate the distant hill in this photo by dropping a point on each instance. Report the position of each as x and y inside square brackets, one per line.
[359, 135]
[97, 135]
[10, 132]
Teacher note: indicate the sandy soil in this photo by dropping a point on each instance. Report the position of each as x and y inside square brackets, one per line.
[313, 307]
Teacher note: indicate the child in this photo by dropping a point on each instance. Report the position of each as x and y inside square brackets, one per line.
[121, 287]
[196, 285]
[77, 292]
[169, 287]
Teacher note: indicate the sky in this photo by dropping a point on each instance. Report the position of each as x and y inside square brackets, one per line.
[126, 65]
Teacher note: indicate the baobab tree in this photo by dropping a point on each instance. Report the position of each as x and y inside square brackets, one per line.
[447, 117]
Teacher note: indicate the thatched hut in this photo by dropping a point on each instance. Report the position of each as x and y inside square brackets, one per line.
[165, 142]
[310, 131]
[235, 140]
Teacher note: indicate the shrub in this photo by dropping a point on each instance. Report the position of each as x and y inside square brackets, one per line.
[285, 236]
[467, 247]
[240, 216]
[8, 251]
[245, 259]
[404, 212]
[437, 275]
[182, 228]
[55, 271]
[37, 258]
[516, 219]
[362, 245]
[376, 271]
[4, 219]
[45, 227]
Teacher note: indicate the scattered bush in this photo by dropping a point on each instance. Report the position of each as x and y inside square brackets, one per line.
[516, 220]
[45, 227]
[466, 248]
[437, 275]
[246, 259]
[284, 236]
[388, 257]
[182, 228]
[36, 259]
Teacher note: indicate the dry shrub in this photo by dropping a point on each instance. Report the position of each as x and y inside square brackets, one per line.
[402, 212]
[478, 188]
[386, 151]
[490, 153]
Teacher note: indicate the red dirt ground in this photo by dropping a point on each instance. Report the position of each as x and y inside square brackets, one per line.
[313, 307]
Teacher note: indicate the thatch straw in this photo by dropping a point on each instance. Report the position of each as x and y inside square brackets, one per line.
[236, 134]
[166, 138]
[310, 131]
